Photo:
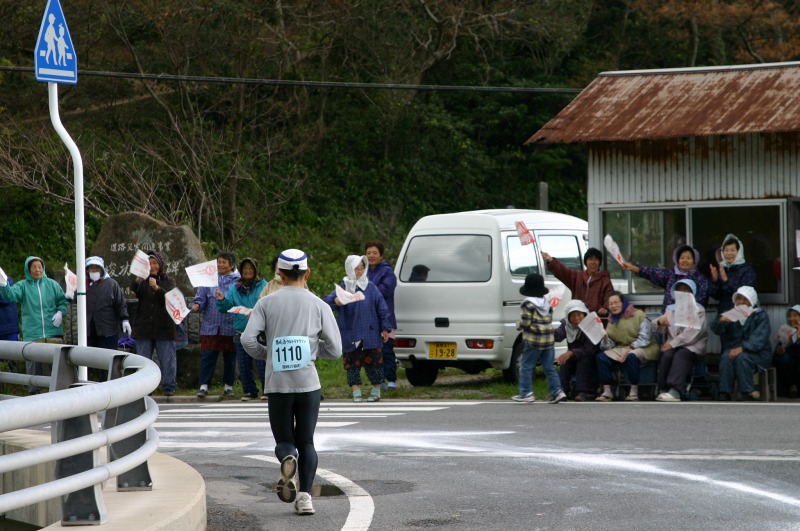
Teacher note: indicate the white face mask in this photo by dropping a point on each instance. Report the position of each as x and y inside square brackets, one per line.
[94, 276]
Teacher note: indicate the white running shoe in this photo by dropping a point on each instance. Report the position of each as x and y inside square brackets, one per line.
[303, 504]
[287, 484]
[560, 397]
[667, 397]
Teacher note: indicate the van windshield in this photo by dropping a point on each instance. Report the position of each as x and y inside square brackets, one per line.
[448, 258]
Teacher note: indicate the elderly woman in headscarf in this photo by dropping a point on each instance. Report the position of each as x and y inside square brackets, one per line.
[684, 344]
[579, 359]
[748, 346]
[731, 274]
[364, 324]
[243, 296]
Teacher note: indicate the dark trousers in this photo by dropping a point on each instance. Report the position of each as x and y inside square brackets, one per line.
[582, 369]
[208, 363]
[293, 419]
[675, 367]
[389, 361]
[630, 368]
[106, 342]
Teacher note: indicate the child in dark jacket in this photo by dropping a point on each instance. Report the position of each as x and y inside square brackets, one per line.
[579, 360]
[748, 347]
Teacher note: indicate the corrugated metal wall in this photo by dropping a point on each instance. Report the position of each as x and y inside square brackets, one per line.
[694, 169]
[754, 166]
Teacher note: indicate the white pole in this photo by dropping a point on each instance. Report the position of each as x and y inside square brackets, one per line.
[80, 243]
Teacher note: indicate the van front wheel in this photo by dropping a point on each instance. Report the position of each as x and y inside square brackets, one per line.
[422, 374]
[511, 375]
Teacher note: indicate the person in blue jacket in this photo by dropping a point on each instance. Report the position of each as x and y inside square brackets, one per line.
[245, 293]
[731, 273]
[749, 346]
[364, 326]
[43, 306]
[381, 274]
[9, 321]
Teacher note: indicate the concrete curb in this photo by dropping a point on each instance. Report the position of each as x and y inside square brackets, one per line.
[177, 501]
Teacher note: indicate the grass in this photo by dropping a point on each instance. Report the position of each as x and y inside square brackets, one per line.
[452, 384]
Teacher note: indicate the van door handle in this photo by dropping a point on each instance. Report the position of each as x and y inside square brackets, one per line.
[441, 322]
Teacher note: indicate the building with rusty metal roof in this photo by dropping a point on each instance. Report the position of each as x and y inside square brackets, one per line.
[689, 156]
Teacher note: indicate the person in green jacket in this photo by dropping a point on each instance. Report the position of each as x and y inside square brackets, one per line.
[42, 307]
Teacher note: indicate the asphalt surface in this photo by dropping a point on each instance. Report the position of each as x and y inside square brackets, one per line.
[502, 465]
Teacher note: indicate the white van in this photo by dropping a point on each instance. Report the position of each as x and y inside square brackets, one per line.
[457, 298]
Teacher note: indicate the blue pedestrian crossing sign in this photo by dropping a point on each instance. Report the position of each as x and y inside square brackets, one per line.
[54, 56]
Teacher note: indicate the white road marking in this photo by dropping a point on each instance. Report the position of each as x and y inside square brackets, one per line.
[362, 508]
[205, 445]
[221, 425]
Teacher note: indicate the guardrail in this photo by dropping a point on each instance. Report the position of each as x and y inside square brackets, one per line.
[74, 410]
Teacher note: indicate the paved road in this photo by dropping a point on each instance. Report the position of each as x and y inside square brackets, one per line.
[502, 465]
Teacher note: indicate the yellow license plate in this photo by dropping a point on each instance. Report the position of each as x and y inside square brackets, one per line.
[442, 351]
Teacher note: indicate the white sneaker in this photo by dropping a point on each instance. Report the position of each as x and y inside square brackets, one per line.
[287, 484]
[667, 397]
[560, 397]
[529, 398]
[303, 504]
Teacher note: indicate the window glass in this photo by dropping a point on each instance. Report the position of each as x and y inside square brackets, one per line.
[645, 237]
[563, 247]
[521, 258]
[449, 258]
[757, 227]
[648, 237]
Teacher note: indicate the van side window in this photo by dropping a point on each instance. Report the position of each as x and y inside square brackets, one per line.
[521, 258]
[565, 248]
[448, 258]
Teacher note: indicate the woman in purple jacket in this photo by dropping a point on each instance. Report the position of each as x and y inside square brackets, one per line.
[382, 275]
[579, 359]
[685, 259]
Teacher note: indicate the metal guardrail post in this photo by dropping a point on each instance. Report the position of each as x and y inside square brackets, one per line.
[137, 478]
[84, 506]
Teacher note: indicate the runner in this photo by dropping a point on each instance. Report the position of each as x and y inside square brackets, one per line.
[297, 328]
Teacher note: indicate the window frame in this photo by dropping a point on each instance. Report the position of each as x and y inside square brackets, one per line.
[656, 299]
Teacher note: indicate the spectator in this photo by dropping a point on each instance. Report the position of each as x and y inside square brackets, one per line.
[682, 348]
[106, 308]
[628, 344]
[153, 327]
[43, 305]
[731, 273]
[382, 276]
[245, 293]
[749, 346]
[580, 358]
[216, 329]
[293, 314]
[590, 286]
[364, 326]
[9, 318]
[685, 258]
[538, 339]
[786, 357]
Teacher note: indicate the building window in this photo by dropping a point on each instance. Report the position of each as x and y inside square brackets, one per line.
[648, 236]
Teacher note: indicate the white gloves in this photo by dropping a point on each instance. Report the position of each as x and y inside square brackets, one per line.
[126, 327]
[3, 278]
[57, 319]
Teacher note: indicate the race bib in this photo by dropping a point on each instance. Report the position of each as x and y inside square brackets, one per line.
[290, 353]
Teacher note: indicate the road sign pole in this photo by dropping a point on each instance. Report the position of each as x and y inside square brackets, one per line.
[80, 242]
